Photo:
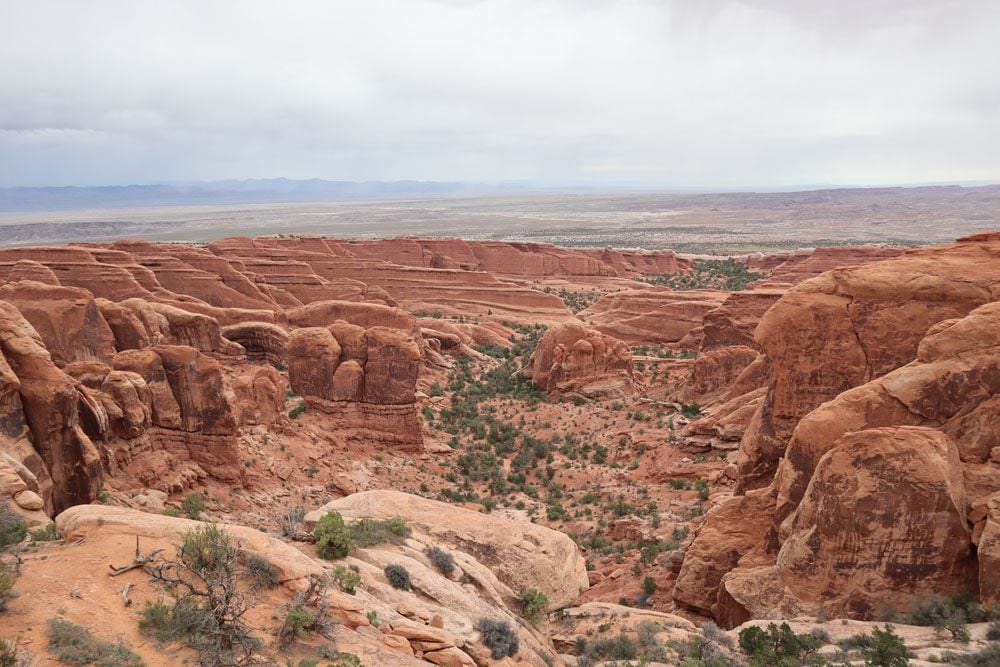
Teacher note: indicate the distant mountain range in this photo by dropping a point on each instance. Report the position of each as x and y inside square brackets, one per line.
[253, 191]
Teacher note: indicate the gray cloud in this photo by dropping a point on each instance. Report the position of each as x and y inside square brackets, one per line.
[683, 92]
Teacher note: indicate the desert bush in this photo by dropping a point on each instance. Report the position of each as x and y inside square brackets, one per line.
[621, 647]
[289, 520]
[11, 654]
[346, 579]
[533, 603]
[74, 645]
[209, 608]
[306, 613]
[47, 534]
[6, 585]
[886, 649]
[369, 532]
[297, 411]
[499, 637]
[193, 505]
[12, 528]
[333, 537]
[690, 410]
[778, 644]
[442, 560]
[398, 576]
[985, 657]
[261, 571]
[993, 631]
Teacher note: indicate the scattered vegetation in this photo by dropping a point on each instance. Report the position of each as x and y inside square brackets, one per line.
[47, 534]
[499, 637]
[307, 613]
[297, 411]
[778, 645]
[289, 520]
[369, 532]
[74, 645]
[882, 648]
[7, 591]
[722, 274]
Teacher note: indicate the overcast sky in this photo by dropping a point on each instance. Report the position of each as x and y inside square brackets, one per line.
[713, 93]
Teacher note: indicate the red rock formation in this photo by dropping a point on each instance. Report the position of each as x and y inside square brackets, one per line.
[572, 361]
[366, 382]
[805, 264]
[68, 320]
[654, 315]
[261, 340]
[849, 326]
[905, 458]
[325, 313]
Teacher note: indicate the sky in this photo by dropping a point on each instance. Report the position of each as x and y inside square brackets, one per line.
[671, 93]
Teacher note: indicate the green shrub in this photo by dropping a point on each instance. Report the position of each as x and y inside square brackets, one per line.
[297, 623]
[993, 631]
[193, 505]
[886, 649]
[369, 532]
[12, 528]
[9, 653]
[986, 657]
[74, 645]
[442, 560]
[776, 645]
[621, 647]
[47, 534]
[6, 585]
[297, 411]
[347, 580]
[261, 571]
[533, 603]
[333, 537]
[398, 576]
[690, 410]
[170, 511]
[499, 637]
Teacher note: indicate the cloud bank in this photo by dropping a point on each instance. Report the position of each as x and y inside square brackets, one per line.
[713, 93]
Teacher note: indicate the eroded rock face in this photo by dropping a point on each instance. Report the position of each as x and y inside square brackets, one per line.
[364, 378]
[262, 341]
[849, 326]
[906, 458]
[881, 523]
[572, 360]
[654, 315]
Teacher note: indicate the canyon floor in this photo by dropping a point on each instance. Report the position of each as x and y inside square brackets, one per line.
[575, 456]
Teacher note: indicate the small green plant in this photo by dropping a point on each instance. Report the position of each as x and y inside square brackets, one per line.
[6, 586]
[777, 645]
[170, 511]
[886, 649]
[74, 645]
[373, 618]
[297, 411]
[333, 537]
[193, 505]
[297, 623]
[442, 560]
[369, 532]
[690, 410]
[346, 579]
[398, 576]
[533, 603]
[47, 534]
[12, 528]
[9, 653]
[261, 571]
[499, 637]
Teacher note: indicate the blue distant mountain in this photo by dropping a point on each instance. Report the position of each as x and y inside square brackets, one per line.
[253, 191]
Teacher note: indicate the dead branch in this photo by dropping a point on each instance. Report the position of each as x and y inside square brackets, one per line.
[139, 561]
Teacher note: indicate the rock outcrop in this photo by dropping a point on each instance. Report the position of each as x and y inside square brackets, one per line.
[653, 315]
[574, 361]
[521, 554]
[900, 452]
[365, 379]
